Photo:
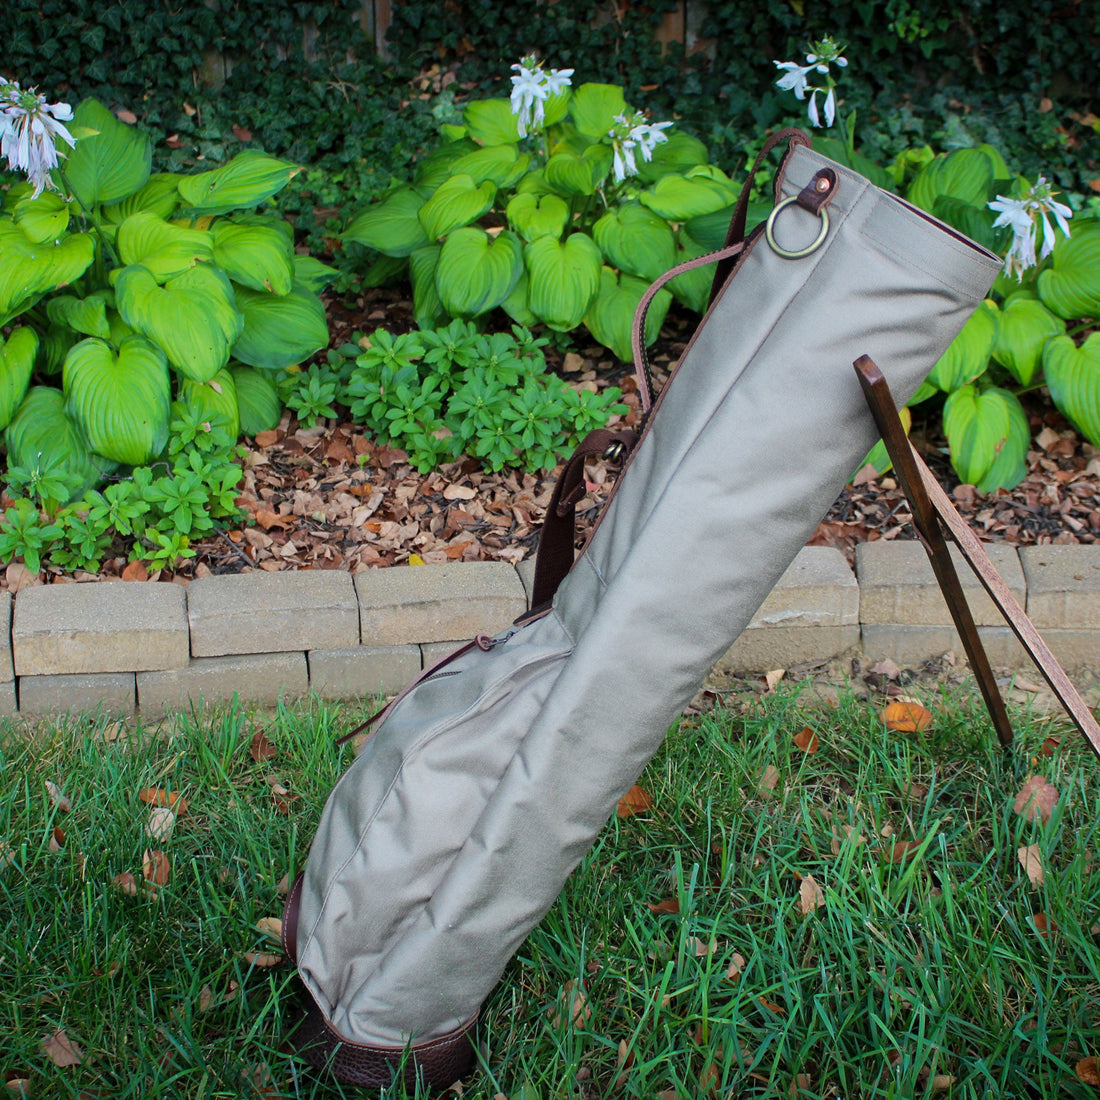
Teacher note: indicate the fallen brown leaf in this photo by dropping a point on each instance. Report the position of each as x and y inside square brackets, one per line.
[736, 967]
[57, 839]
[771, 679]
[155, 866]
[1044, 925]
[810, 895]
[1031, 861]
[669, 905]
[1036, 799]
[799, 1082]
[156, 796]
[1088, 1070]
[130, 887]
[261, 959]
[571, 1007]
[61, 1050]
[769, 779]
[17, 1084]
[58, 797]
[206, 998]
[806, 740]
[771, 1006]
[272, 927]
[902, 850]
[906, 716]
[161, 823]
[261, 748]
[635, 801]
[135, 571]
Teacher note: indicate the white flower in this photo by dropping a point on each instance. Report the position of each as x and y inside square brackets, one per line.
[1022, 216]
[30, 129]
[629, 133]
[530, 90]
[649, 135]
[794, 79]
[830, 107]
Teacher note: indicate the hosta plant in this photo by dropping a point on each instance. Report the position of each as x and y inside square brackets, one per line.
[140, 312]
[557, 206]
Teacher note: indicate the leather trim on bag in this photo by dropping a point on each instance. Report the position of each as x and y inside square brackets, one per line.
[289, 933]
[437, 1063]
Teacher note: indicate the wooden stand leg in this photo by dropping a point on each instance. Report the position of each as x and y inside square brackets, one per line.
[933, 513]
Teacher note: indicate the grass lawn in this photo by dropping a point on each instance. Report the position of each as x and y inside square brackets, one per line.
[870, 919]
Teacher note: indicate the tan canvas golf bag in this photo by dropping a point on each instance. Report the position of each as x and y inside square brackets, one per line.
[485, 783]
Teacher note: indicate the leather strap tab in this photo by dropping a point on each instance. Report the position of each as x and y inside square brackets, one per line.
[819, 191]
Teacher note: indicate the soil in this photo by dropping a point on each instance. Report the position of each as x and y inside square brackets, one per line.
[332, 498]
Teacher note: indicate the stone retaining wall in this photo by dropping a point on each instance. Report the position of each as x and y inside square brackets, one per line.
[141, 648]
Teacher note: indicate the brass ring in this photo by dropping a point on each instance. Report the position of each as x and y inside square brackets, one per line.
[786, 253]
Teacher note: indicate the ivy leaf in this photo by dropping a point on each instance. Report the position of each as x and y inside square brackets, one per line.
[1073, 375]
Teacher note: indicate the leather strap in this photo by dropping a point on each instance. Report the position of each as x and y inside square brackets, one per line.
[931, 508]
[555, 557]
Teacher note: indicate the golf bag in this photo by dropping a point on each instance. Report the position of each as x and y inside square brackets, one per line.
[486, 781]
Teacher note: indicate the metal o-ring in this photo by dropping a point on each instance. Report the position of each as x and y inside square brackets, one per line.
[787, 253]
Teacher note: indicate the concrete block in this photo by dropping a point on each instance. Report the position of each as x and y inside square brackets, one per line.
[8, 705]
[7, 667]
[897, 585]
[818, 589]
[762, 648]
[437, 603]
[110, 693]
[254, 677]
[364, 670]
[1063, 586]
[1074, 649]
[910, 644]
[436, 651]
[272, 612]
[107, 627]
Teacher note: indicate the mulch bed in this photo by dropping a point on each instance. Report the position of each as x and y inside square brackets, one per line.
[333, 498]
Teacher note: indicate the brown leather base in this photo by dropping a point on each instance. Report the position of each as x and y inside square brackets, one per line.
[436, 1064]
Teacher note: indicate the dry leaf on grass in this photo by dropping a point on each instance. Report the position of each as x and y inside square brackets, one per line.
[906, 716]
[57, 839]
[1031, 861]
[161, 823]
[261, 748]
[771, 679]
[58, 797]
[272, 927]
[1044, 925]
[902, 850]
[155, 866]
[61, 1050]
[807, 740]
[17, 1084]
[261, 959]
[1036, 799]
[810, 895]
[128, 885]
[1088, 1070]
[571, 1007]
[736, 967]
[769, 780]
[669, 905]
[157, 796]
[635, 801]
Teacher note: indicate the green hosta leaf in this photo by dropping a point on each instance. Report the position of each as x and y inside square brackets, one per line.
[43, 435]
[436, 166]
[967, 357]
[515, 305]
[110, 165]
[503, 165]
[43, 219]
[538, 215]
[258, 404]
[312, 274]
[280, 331]
[965, 174]
[534, 183]
[427, 308]
[17, 356]
[476, 272]
[457, 202]
[988, 435]
[975, 221]
[636, 241]
[164, 249]
[1070, 287]
[29, 270]
[215, 401]
[593, 108]
[710, 229]
[1023, 328]
[693, 287]
[390, 226]
[490, 121]
[256, 256]
[249, 179]
[701, 190]
[159, 196]
[563, 278]
[193, 317]
[88, 316]
[120, 402]
[572, 174]
[1073, 375]
[385, 270]
[610, 318]
[679, 153]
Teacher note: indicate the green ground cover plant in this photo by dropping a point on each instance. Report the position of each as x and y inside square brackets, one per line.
[794, 901]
